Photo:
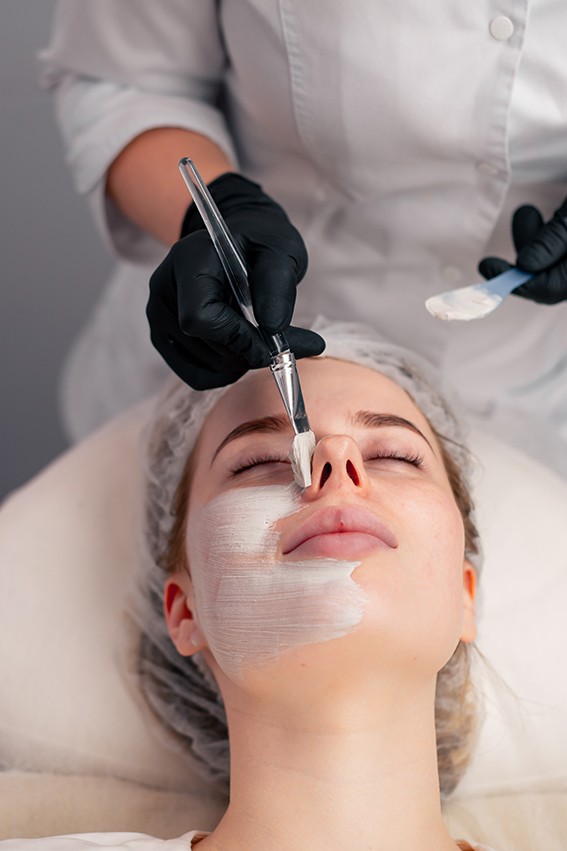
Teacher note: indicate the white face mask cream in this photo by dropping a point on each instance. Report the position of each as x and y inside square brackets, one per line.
[250, 606]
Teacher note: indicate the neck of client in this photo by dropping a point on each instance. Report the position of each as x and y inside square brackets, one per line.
[329, 765]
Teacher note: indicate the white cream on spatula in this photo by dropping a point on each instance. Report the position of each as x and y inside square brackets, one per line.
[478, 300]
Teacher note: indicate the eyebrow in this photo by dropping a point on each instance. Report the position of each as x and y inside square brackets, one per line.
[370, 419]
[279, 422]
[263, 424]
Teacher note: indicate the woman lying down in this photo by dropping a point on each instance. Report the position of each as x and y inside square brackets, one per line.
[326, 633]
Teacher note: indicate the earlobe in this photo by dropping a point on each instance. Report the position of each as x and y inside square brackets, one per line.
[181, 623]
[469, 606]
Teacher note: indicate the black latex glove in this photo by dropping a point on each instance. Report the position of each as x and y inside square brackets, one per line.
[195, 322]
[542, 249]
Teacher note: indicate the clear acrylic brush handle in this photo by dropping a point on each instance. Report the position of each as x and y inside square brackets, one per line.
[228, 251]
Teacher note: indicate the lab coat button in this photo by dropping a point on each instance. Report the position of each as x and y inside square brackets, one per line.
[452, 275]
[501, 28]
[487, 168]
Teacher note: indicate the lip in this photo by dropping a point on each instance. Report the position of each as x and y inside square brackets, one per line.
[339, 530]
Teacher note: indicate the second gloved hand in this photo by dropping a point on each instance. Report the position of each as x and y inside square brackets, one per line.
[542, 250]
[195, 322]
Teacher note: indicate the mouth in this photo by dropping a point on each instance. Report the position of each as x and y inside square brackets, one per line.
[339, 531]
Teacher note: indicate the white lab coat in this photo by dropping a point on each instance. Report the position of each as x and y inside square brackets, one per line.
[115, 841]
[398, 136]
[131, 842]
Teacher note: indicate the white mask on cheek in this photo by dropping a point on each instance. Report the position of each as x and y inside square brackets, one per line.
[250, 606]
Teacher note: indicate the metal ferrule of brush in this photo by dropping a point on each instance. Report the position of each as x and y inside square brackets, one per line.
[284, 370]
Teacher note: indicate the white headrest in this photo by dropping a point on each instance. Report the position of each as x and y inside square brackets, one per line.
[67, 549]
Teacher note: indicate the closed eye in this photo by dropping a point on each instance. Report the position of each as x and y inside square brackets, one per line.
[250, 463]
[406, 457]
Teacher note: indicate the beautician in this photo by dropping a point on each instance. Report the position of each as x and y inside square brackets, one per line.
[398, 138]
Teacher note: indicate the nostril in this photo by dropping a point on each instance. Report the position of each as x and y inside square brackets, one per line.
[351, 471]
[325, 473]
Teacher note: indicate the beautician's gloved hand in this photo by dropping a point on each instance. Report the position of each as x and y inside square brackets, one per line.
[195, 322]
[542, 249]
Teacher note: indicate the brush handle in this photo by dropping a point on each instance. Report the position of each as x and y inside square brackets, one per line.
[228, 251]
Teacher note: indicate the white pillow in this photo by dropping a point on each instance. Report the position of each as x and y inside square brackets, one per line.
[67, 548]
[522, 514]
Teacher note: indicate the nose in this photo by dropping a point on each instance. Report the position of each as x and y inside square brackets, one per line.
[337, 466]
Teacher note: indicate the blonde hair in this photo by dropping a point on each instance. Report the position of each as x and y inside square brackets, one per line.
[456, 701]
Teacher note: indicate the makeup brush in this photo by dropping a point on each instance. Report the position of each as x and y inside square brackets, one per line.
[282, 359]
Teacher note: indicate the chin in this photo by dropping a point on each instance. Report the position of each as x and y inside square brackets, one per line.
[345, 669]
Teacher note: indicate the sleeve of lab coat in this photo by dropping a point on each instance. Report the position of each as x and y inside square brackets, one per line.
[121, 67]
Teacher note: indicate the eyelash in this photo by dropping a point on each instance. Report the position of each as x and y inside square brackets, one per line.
[410, 458]
[255, 462]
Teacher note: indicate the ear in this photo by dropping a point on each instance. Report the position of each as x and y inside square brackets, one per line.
[469, 605]
[179, 607]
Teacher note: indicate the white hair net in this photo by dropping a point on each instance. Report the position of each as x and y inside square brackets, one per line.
[181, 690]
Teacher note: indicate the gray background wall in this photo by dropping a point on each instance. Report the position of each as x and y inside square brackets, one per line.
[52, 261]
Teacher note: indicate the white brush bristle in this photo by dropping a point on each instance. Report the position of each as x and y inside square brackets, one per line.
[302, 450]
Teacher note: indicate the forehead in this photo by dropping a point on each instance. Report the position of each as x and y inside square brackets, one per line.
[332, 390]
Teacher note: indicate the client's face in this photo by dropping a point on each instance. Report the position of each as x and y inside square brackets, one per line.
[367, 562]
